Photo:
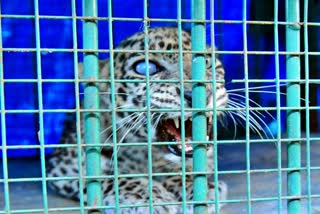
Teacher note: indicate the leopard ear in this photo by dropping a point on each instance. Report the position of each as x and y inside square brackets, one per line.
[103, 69]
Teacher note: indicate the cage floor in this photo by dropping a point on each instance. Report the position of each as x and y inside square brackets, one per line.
[28, 195]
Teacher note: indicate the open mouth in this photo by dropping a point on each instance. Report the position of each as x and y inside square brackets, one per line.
[170, 131]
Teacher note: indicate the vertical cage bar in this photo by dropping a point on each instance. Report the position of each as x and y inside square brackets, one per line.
[77, 98]
[278, 100]
[293, 100]
[148, 105]
[214, 115]
[307, 101]
[199, 120]
[247, 99]
[113, 107]
[91, 101]
[3, 129]
[40, 107]
[182, 124]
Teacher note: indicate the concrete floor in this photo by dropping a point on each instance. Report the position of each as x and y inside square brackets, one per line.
[28, 195]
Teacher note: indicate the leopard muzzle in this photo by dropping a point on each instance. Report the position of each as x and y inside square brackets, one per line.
[169, 130]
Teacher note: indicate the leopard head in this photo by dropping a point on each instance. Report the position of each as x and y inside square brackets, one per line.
[130, 73]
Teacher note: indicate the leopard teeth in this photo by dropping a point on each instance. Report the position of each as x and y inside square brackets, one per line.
[210, 119]
[207, 137]
[176, 122]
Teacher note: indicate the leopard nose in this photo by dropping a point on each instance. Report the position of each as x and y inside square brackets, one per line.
[188, 96]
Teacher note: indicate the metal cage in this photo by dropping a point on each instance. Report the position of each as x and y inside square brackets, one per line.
[296, 195]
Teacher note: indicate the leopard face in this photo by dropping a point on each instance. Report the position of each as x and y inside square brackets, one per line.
[132, 66]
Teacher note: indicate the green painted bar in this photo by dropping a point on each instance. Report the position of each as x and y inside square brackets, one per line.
[91, 101]
[199, 121]
[293, 100]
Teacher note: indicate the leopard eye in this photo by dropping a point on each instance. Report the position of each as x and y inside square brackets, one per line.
[141, 68]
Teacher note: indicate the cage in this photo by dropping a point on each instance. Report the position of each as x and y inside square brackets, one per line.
[265, 149]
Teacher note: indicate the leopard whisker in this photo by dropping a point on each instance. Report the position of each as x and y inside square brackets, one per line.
[222, 119]
[266, 92]
[235, 124]
[253, 123]
[153, 120]
[256, 113]
[143, 123]
[271, 92]
[250, 100]
[242, 105]
[254, 88]
[122, 121]
[137, 116]
[238, 101]
[128, 120]
[137, 126]
[157, 120]
[135, 122]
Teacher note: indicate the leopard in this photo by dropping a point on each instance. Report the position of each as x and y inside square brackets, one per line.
[155, 84]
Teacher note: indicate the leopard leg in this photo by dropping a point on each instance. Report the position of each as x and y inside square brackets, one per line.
[132, 191]
[64, 163]
[135, 191]
[222, 192]
[174, 185]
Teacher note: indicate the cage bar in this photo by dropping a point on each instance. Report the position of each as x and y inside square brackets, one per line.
[40, 108]
[78, 107]
[294, 197]
[113, 112]
[247, 104]
[3, 131]
[91, 101]
[214, 115]
[199, 121]
[70, 50]
[278, 102]
[293, 100]
[148, 104]
[166, 20]
[307, 104]
[182, 90]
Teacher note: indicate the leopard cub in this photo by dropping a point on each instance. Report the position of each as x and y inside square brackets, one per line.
[132, 126]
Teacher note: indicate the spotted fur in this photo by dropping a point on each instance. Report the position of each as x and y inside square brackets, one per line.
[132, 127]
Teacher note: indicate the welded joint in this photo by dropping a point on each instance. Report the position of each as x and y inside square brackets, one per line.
[295, 25]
